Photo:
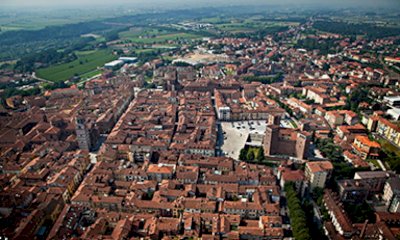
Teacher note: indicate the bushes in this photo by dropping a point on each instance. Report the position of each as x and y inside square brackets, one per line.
[356, 97]
[252, 154]
[371, 30]
[8, 92]
[329, 149]
[264, 79]
[324, 46]
[282, 105]
[359, 212]
[297, 216]
[390, 154]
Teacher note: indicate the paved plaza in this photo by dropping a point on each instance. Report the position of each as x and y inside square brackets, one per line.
[236, 134]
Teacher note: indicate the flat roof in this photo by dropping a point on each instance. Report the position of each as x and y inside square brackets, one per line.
[370, 174]
[392, 98]
[394, 110]
[114, 63]
[128, 58]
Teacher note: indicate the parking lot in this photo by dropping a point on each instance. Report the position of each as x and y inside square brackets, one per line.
[235, 135]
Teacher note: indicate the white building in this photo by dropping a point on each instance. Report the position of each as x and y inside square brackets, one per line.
[114, 64]
[393, 101]
[318, 172]
[224, 113]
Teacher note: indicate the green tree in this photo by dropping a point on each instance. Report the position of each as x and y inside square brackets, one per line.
[243, 154]
[297, 215]
[250, 156]
[261, 156]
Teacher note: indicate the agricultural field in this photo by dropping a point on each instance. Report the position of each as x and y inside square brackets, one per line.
[145, 50]
[33, 24]
[12, 19]
[250, 25]
[155, 36]
[85, 66]
[91, 74]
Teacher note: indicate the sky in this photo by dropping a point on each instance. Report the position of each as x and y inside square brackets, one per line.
[160, 3]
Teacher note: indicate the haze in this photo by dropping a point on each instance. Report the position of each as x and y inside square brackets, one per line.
[185, 3]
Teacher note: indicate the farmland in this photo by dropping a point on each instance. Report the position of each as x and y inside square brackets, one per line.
[87, 62]
[251, 26]
[156, 36]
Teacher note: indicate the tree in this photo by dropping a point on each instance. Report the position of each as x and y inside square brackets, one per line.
[297, 215]
[260, 155]
[371, 30]
[250, 156]
[356, 97]
[317, 195]
[360, 212]
[243, 154]
[329, 149]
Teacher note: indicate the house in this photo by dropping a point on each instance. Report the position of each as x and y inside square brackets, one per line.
[317, 173]
[286, 175]
[366, 148]
[351, 190]
[388, 130]
[339, 218]
[334, 118]
[160, 172]
[390, 192]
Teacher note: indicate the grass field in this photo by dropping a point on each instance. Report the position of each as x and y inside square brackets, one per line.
[213, 20]
[236, 27]
[145, 50]
[155, 48]
[32, 19]
[251, 25]
[388, 147]
[84, 66]
[35, 25]
[91, 74]
[155, 36]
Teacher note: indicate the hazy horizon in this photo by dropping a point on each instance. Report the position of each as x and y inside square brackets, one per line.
[199, 3]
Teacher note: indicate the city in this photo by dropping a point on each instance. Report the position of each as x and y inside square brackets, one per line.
[225, 124]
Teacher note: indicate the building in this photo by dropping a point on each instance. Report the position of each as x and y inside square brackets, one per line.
[287, 175]
[224, 113]
[375, 179]
[160, 172]
[286, 142]
[114, 64]
[355, 191]
[388, 130]
[317, 173]
[393, 101]
[390, 192]
[339, 218]
[394, 205]
[318, 95]
[334, 118]
[128, 59]
[82, 134]
[366, 148]
[232, 105]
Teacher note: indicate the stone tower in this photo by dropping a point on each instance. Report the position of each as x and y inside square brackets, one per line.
[82, 133]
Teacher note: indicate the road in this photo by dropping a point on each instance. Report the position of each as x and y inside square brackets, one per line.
[41, 79]
[87, 80]
[317, 213]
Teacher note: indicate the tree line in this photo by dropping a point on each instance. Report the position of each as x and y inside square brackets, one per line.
[298, 217]
[371, 30]
[264, 79]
